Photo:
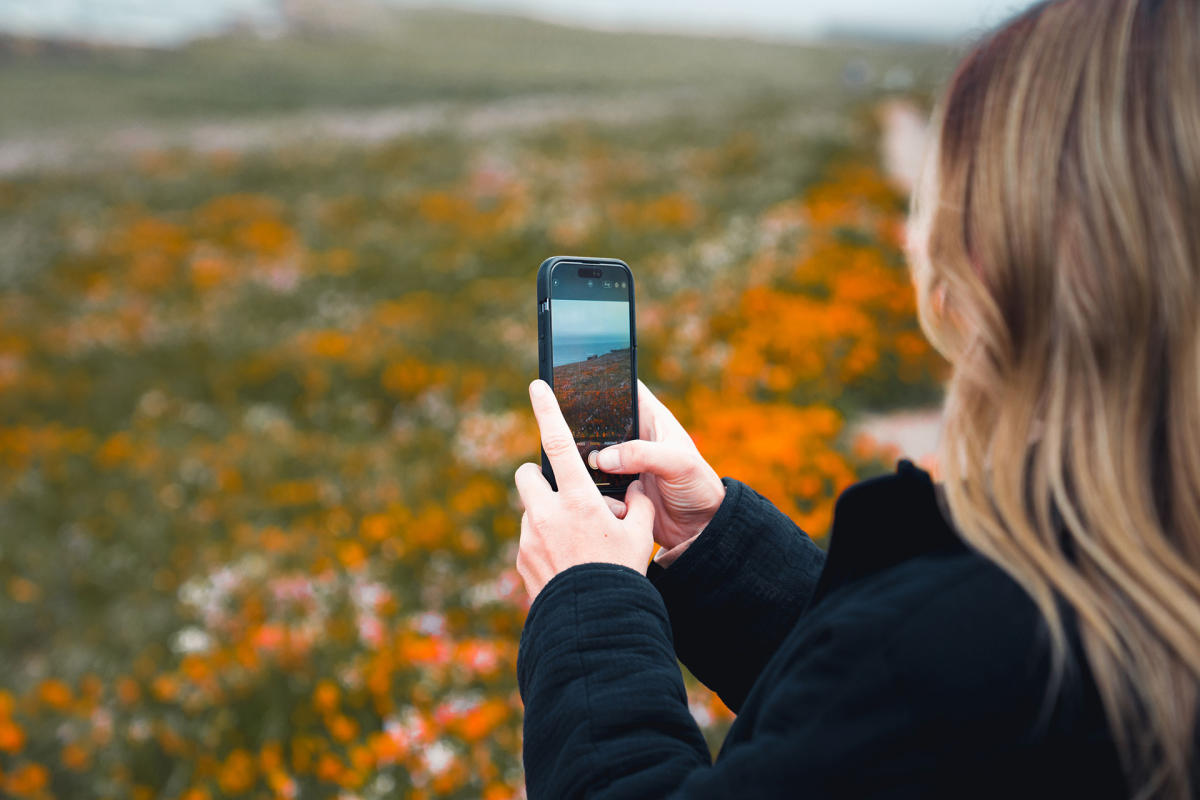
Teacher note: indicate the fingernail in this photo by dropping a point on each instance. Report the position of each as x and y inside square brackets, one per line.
[537, 387]
[608, 459]
[591, 459]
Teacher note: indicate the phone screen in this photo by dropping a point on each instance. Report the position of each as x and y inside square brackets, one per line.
[592, 358]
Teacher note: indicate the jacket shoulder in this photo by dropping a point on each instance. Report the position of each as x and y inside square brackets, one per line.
[883, 522]
[899, 572]
[962, 621]
[972, 655]
[952, 605]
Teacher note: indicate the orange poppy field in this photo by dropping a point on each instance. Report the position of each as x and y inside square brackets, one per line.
[260, 411]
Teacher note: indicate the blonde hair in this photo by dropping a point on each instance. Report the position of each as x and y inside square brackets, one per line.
[1055, 243]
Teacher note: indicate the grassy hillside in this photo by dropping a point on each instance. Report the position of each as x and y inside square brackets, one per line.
[415, 55]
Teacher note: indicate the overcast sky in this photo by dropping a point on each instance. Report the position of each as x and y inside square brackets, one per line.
[591, 319]
[783, 18]
[171, 20]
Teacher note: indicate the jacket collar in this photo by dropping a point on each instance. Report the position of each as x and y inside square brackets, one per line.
[882, 522]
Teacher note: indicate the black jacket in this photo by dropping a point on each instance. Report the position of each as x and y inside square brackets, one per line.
[903, 665]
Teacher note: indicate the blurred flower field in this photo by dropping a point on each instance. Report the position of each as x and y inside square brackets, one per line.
[259, 415]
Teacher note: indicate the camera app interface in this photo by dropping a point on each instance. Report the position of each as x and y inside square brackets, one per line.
[593, 366]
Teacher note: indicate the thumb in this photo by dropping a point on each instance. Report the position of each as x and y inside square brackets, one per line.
[640, 455]
[639, 511]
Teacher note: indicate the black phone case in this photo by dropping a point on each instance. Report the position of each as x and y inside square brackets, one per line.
[545, 359]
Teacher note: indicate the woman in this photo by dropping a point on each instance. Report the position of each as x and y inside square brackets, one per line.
[1030, 628]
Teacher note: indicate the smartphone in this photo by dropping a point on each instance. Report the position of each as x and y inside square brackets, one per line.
[587, 351]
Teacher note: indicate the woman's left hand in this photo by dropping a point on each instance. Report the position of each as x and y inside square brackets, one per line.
[576, 524]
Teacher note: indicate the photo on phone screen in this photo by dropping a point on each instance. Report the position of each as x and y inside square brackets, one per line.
[592, 358]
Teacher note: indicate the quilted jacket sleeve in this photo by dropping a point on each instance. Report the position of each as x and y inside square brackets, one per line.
[737, 591]
[606, 715]
[605, 707]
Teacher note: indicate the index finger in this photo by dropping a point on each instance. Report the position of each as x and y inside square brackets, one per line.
[531, 485]
[651, 411]
[648, 406]
[557, 441]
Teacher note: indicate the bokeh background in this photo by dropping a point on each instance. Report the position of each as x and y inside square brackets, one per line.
[267, 317]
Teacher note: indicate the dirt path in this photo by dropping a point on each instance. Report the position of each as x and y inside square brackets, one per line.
[84, 150]
[914, 432]
[905, 139]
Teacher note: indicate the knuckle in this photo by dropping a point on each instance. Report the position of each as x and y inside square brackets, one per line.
[677, 460]
[578, 500]
[537, 516]
[558, 446]
[684, 455]
[525, 473]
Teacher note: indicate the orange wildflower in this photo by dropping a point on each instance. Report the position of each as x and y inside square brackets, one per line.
[208, 272]
[375, 527]
[24, 590]
[165, 687]
[498, 791]
[54, 693]
[237, 773]
[481, 720]
[352, 554]
[342, 728]
[116, 449]
[329, 768]
[75, 758]
[12, 736]
[270, 757]
[27, 780]
[326, 696]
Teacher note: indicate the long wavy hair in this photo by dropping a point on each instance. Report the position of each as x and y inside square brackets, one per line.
[1055, 244]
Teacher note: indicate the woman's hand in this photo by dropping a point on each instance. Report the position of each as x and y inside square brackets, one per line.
[684, 489]
[576, 524]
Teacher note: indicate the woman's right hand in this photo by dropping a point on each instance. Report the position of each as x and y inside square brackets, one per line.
[685, 490]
